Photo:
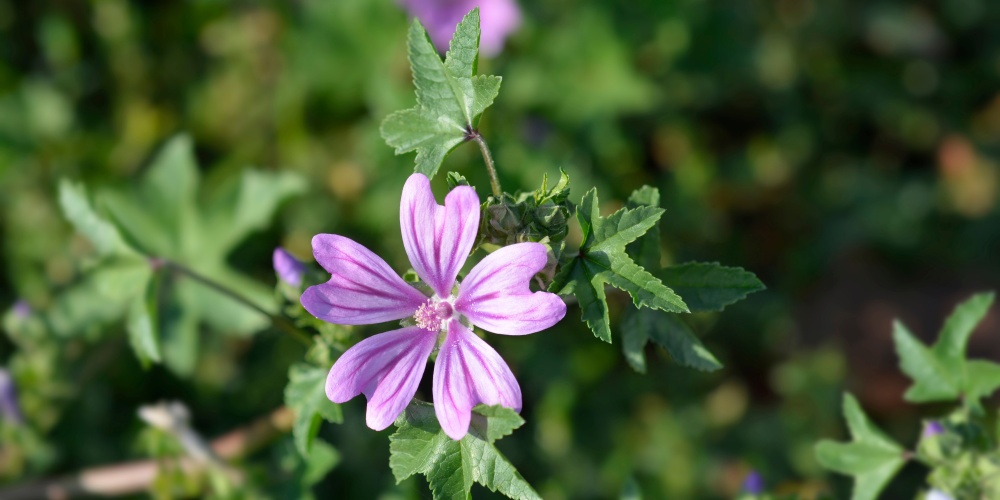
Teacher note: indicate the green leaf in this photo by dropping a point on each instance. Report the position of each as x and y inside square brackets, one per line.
[941, 372]
[142, 324]
[76, 207]
[306, 396]
[668, 331]
[450, 97]
[708, 286]
[646, 249]
[602, 259]
[420, 446]
[933, 379]
[871, 457]
[959, 326]
[665, 329]
[103, 296]
[167, 214]
[983, 378]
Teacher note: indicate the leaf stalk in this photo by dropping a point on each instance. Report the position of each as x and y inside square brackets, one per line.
[279, 322]
[474, 135]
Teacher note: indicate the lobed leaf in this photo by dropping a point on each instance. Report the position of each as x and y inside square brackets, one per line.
[602, 259]
[668, 331]
[450, 98]
[76, 207]
[941, 372]
[420, 446]
[871, 457]
[709, 286]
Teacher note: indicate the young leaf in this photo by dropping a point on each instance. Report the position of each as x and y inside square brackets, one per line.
[708, 286]
[871, 457]
[668, 331]
[602, 259]
[941, 372]
[306, 396]
[420, 446]
[450, 97]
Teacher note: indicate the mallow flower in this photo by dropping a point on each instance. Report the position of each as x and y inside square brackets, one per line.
[494, 296]
[498, 18]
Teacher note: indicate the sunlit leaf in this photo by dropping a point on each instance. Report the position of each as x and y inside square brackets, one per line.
[450, 96]
[602, 260]
[419, 446]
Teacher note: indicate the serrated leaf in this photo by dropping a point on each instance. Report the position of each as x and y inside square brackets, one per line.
[450, 98]
[871, 457]
[305, 395]
[76, 207]
[143, 325]
[420, 446]
[668, 331]
[602, 259]
[709, 286]
[646, 249]
[941, 372]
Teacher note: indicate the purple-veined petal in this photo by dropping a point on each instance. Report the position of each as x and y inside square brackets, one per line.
[288, 268]
[438, 238]
[362, 290]
[468, 372]
[495, 294]
[386, 368]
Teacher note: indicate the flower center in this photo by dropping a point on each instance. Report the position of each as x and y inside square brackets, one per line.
[433, 314]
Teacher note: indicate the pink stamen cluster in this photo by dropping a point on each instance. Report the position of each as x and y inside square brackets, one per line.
[494, 296]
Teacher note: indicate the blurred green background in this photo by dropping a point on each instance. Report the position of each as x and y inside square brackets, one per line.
[844, 152]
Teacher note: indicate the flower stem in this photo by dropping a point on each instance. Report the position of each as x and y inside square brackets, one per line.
[488, 158]
[279, 322]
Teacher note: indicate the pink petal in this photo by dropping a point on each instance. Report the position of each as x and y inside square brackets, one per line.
[387, 368]
[468, 372]
[362, 290]
[438, 238]
[495, 295]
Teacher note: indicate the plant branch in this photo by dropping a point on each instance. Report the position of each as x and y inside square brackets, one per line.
[129, 478]
[279, 322]
[473, 135]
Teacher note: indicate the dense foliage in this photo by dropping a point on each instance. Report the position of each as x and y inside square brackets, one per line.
[153, 155]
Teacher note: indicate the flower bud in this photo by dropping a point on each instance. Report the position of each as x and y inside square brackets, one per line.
[288, 268]
[10, 410]
[753, 484]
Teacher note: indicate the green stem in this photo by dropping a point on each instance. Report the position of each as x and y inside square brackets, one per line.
[488, 158]
[279, 322]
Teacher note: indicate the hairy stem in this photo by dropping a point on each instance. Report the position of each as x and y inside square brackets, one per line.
[488, 158]
[279, 322]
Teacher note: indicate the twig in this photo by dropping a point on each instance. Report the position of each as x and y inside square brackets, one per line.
[280, 322]
[134, 477]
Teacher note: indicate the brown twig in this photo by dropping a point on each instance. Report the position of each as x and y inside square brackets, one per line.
[134, 477]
